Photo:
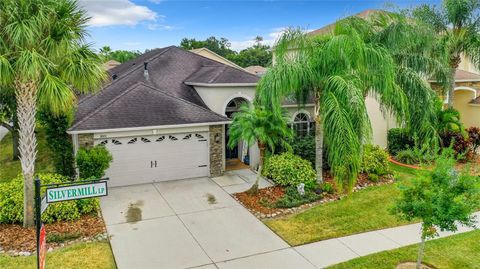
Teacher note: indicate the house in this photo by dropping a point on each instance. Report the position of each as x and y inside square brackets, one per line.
[110, 64]
[256, 70]
[165, 115]
[214, 56]
[466, 99]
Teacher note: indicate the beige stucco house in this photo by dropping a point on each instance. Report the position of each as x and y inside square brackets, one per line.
[165, 116]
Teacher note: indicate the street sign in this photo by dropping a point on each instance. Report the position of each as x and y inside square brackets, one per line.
[58, 192]
[42, 252]
[74, 192]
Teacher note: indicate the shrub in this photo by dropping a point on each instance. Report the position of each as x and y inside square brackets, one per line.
[474, 138]
[58, 141]
[293, 199]
[373, 178]
[11, 202]
[93, 162]
[287, 169]
[398, 139]
[305, 148]
[327, 187]
[374, 160]
[407, 156]
[459, 143]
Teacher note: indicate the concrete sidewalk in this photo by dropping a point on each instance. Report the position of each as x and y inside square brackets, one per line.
[3, 132]
[337, 250]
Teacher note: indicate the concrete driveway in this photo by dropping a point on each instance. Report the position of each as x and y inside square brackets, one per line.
[192, 224]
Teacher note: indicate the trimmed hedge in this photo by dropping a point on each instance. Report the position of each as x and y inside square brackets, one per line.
[11, 202]
[287, 169]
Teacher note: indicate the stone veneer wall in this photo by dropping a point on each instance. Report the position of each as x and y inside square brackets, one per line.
[85, 140]
[216, 151]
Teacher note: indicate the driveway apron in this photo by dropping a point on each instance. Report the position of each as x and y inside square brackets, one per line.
[192, 223]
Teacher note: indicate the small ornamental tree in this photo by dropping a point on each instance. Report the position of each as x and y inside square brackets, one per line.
[261, 126]
[441, 199]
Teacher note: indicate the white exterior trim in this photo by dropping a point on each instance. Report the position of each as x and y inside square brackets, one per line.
[460, 80]
[236, 95]
[301, 111]
[148, 128]
[460, 88]
[212, 85]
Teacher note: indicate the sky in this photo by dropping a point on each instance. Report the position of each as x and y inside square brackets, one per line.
[148, 24]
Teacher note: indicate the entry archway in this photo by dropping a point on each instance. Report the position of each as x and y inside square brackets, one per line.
[239, 156]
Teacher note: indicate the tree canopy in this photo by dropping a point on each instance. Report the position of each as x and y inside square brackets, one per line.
[120, 56]
[257, 54]
[386, 57]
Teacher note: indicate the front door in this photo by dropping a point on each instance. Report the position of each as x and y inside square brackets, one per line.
[230, 153]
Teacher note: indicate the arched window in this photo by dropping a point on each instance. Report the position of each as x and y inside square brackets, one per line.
[301, 124]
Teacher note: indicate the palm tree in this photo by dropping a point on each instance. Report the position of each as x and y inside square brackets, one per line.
[414, 50]
[258, 125]
[458, 28]
[44, 58]
[359, 58]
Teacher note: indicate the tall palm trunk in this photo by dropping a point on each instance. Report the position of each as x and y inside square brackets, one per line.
[318, 143]
[26, 94]
[454, 63]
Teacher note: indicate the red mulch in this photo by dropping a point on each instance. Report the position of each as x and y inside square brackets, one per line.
[16, 238]
[269, 195]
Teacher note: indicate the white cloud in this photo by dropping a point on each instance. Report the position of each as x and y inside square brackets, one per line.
[269, 40]
[117, 12]
[156, 26]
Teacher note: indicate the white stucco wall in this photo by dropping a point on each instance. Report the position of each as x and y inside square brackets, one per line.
[467, 65]
[380, 123]
[217, 98]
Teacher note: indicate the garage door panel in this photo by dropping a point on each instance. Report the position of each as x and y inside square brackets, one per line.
[176, 158]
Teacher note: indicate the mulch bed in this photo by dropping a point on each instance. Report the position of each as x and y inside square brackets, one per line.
[258, 203]
[253, 202]
[15, 238]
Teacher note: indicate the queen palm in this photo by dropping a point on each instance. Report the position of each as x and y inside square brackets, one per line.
[359, 58]
[458, 28]
[258, 125]
[44, 58]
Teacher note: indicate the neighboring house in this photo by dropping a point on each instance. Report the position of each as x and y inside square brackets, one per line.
[212, 55]
[466, 99]
[110, 64]
[165, 116]
[256, 70]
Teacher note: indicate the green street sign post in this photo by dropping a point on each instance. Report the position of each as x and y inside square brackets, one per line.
[60, 192]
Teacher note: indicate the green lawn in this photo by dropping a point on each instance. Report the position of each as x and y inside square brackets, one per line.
[359, 212]
[96, 255]
[458, 251]
[10, 168]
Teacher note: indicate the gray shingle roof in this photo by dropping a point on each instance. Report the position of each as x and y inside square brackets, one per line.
[168, 68]
[143, 105]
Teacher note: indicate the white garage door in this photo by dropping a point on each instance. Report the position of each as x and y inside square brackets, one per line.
[145, 159]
